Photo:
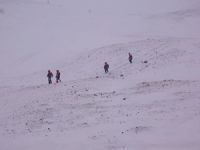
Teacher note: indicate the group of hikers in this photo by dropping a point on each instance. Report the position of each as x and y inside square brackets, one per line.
[50, 74]
[106, 66]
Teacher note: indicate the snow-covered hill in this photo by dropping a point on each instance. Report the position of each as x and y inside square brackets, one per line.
[153, 105]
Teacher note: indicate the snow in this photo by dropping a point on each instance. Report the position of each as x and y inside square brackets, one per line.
[153, 105]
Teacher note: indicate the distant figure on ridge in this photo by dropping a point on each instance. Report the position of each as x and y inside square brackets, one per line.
[49, 75]
[130, 57]
[58, 76]
[106, 66]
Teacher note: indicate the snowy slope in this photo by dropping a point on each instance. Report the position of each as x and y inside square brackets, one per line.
[138, 106]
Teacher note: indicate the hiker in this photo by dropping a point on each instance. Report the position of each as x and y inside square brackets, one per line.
[130, 57]
[58, 76]
[106, 66]
[49, 75]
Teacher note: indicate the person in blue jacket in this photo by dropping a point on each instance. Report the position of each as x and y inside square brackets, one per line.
[49, 75]
[130, 57]
[58, 76]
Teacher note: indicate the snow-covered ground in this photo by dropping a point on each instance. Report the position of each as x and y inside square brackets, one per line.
[138, 106]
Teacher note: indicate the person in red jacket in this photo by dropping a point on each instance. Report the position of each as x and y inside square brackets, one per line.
[58, 76]
[130, 57]
[49, 75]
[106, 66]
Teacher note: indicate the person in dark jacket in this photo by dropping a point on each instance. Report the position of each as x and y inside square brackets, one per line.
[130, 57]
[49, 75]
[58, 76]
[106, 66]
